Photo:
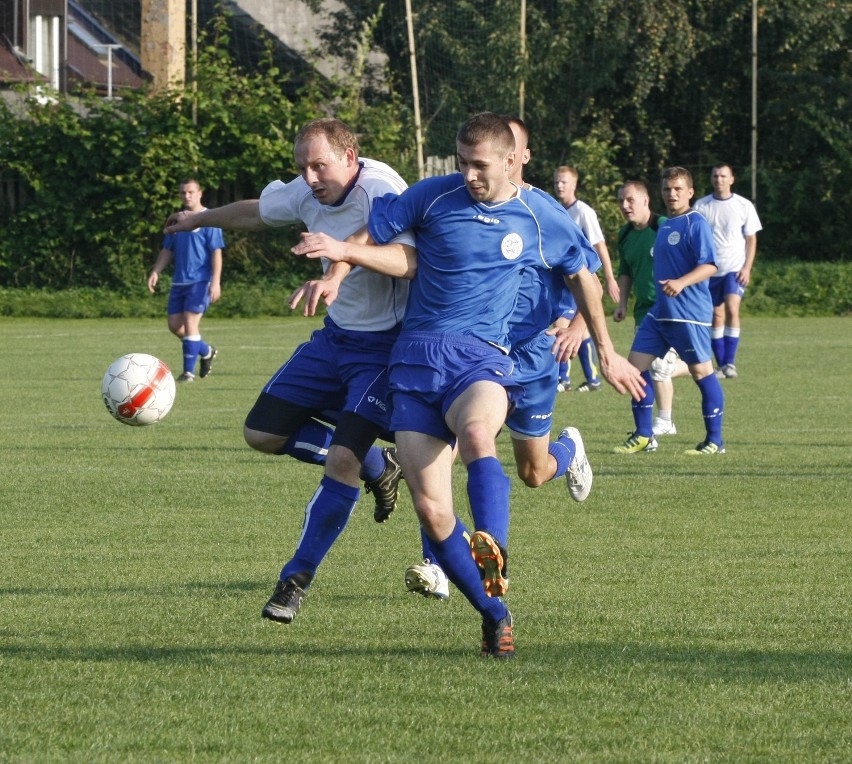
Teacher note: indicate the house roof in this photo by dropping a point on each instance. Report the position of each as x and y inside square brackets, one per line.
[13, 69]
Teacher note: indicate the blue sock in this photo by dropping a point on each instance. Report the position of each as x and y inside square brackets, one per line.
[453, 555]
[326, 516]
[488, 493]
[428, 552]
[374, 464]
[565, 371]
[712, 407]
[643, 411]
[562, 449]
[309, 443]
[732, 341]
[191, 346]
[717, 343]
[586, 354]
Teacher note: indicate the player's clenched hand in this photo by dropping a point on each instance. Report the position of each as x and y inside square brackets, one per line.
[312, 292]
[622, 375]
[320, 245]
[179, 221]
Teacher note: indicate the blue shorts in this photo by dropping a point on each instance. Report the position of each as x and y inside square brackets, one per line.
[189, 298]
[338, 370]
[536, 371]
[691, 341]
[722, 286]
[428, 371]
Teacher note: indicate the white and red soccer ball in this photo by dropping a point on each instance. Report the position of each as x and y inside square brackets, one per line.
[138, 389]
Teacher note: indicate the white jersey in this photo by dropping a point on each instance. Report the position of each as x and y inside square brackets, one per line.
[366, 301]
[731, 219]
[585, 217]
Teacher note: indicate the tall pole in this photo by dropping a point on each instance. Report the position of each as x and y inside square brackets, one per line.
[415, 92]
[522, 90]
[754, 102]
[194, 44]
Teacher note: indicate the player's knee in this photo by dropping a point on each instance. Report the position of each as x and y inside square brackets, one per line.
[342, 464]
[265, 442]
[531, 476]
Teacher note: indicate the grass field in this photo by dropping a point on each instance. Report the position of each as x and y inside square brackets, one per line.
[691, 610]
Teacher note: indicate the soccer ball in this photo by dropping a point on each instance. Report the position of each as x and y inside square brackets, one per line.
[138, 389]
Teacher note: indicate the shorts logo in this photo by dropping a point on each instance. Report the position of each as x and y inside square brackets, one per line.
[512, 246]
[674, 238]
[376, 402]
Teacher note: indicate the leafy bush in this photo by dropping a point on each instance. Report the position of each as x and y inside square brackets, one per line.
[777, 289]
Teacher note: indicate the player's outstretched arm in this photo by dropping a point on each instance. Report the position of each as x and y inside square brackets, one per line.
[396, 260]
[238, 216]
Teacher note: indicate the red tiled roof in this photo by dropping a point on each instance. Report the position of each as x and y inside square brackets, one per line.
[12, 70]
[84, 65]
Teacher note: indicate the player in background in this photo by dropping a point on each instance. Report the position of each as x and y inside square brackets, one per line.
[450, 375]
[684, 260]
[735, 225]
[565, 185]
[343, 367]
[197, 256]
[636, 272]
[541, 302]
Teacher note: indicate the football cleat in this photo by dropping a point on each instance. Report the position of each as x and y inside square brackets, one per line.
[563, 386]
[284, 602]
[589, 387]
[664, 427]
[497, 638]
[186, 377]
[427, 579]
[385, 487]
[706, 448]
[206, 363]
[579, 474]
[491, 559]
[636, 443]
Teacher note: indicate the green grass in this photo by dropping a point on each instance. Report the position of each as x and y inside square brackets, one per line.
[691, 610]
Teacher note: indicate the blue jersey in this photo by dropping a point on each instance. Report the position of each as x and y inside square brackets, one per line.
[682, 244]
[471, 255]
[192, 252]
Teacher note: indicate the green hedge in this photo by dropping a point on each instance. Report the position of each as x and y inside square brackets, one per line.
[777, 289]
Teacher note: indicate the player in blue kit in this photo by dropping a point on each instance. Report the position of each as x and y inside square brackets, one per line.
[542, 300]
[684, 259]
[450, 375]
[197, 255]
[341, 372]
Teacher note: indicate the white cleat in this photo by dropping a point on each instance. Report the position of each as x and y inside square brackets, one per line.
[427, 579]
[579, 475]
[664, 427]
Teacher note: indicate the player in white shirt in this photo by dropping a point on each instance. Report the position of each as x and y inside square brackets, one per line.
[735, 225]
[340, 374]
[565, 186]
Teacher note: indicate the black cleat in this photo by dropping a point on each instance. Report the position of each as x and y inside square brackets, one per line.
[284, 602]
[207, 363]
[386, 486]
[497, 640]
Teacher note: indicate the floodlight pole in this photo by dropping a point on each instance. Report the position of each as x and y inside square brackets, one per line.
[754, 102]
[522, 89]
[415, 92]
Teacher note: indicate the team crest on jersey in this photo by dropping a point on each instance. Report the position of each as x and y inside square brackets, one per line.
[674, 238]
[512, 246]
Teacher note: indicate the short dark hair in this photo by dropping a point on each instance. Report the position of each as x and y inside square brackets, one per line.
[487, 127]
[672, 173]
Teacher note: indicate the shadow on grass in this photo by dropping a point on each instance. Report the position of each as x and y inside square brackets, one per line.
[678, 663]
